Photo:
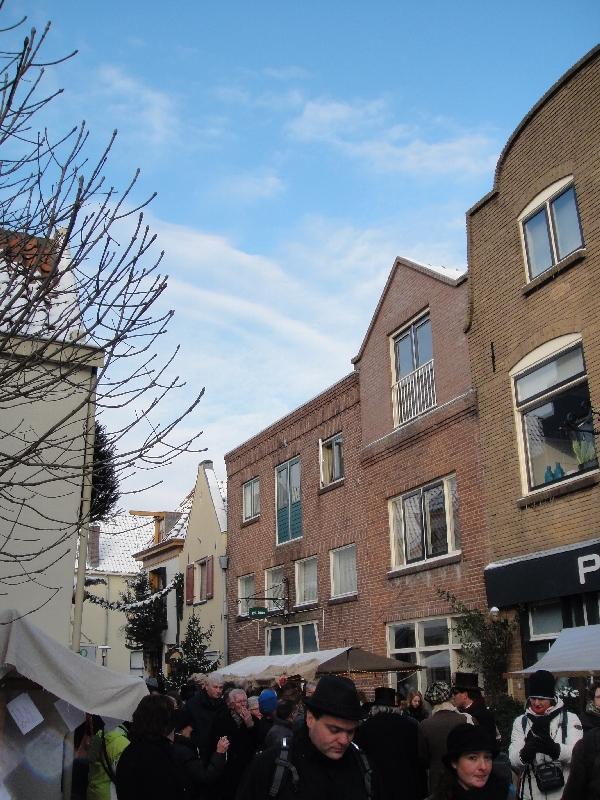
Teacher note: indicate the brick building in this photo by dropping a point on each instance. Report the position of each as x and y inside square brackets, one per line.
[534, 269]
[351, 513]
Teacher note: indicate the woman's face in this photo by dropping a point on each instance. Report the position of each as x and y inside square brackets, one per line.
[416, 701]
[597, 698]
[473, 769]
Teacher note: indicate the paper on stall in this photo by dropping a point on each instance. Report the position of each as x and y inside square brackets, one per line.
[71, 715]
[44, 754]
[24, 712]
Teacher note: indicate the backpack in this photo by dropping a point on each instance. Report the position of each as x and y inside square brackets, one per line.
[284, 764]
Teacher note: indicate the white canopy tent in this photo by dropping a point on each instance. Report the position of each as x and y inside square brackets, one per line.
[268, 668]
[575, 652]
[27, 650]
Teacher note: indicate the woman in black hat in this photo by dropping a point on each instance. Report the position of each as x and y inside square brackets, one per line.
[468, 767]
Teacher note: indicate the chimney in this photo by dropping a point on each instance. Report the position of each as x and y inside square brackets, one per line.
[93, 558]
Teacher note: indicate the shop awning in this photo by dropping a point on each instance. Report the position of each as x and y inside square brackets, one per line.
[28, 651]
[576, 651]
[338, 660]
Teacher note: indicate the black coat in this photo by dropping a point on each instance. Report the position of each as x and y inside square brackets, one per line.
[203, 710]
[320, 777]
[484, 717]
[391, 741]
[243, 743]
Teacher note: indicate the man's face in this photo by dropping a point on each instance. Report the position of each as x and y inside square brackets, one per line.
[539, 705]
[460, 699]
[330, 735]
[214, 690]
[237, 702]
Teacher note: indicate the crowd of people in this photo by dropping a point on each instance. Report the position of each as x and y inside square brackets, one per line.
[318, 741]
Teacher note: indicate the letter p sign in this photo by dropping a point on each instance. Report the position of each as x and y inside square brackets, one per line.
[587, 564]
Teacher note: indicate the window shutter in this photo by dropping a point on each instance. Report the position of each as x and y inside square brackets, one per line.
[209, 578]
[189, 584]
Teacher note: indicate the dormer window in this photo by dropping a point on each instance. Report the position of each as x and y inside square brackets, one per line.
[550, 227]
[413, 391]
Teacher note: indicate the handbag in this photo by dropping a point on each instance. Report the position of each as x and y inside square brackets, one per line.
[549, 776]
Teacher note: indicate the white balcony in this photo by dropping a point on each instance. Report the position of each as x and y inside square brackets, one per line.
[414, 394]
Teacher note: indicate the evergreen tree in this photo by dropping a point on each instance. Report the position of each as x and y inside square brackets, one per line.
[145, 624]
[105, 483]
[193, 648]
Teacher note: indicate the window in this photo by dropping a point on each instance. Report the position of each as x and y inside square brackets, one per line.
[289, 511]
[251, 499]
[432, 643]
[306, 581]
[545, 619]
[550, 226]
[199, 581]
[289, 639]
[424, 523]
[246, 594]
[552, 403]
[136, 663]
[343, 571]
[274, 587]
[332, 460]
[413, 392]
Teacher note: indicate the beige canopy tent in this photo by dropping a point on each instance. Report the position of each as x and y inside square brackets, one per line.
[338, 660]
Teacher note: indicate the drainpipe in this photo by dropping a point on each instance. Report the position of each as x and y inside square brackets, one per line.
[86, 502]
[224, 563]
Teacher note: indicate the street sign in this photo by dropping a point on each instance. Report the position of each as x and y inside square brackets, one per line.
[257, 612]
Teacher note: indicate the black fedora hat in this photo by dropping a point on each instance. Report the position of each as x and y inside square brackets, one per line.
[466, 681]
[468, 739]
[336, 696]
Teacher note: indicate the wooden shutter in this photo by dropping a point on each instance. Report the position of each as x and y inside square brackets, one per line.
[189, 584]
[209, 578]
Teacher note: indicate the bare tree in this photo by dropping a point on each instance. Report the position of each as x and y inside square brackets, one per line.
[80, 327]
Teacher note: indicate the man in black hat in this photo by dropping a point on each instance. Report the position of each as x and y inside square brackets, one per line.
[468, 698]
[322, 762]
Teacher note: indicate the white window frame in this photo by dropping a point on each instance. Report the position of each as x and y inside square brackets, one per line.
[536, 637]
[287, 465]
[423, 390]
[398, 540]
[136, 670]
[300, 625]
[299, 567]
[421, 649]
[330, 443]
[245, 604]
[254, 500]
[272, 587]
[544, 200]
[332, 556]
[545, 353]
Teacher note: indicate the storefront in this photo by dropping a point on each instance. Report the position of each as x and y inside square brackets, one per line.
[552, 590]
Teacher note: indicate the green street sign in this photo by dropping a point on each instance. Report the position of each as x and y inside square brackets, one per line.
[257, 612]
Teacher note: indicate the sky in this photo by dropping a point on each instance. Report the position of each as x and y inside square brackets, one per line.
[297, 147]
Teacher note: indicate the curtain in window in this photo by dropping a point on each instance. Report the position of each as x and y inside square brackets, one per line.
[344, 571]
[308, 581]
[413, 528]
[327, 459]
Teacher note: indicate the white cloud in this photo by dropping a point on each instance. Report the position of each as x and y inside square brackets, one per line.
[363, 131]
[136, 106]
[249, 187]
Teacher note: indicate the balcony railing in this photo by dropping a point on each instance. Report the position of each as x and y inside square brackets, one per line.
[414, 394]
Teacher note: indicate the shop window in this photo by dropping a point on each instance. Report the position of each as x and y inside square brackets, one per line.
[424, 522]
[343, 571]
[552, 402]
[332, 460]
[431, 643]
[306, 581]
[291, 639]
[551, 227]
[289, 509]
[251, 499]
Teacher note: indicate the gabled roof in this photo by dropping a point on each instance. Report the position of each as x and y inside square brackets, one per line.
[448, 275]
[120, 538]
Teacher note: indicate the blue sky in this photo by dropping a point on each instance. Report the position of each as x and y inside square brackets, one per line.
[297, 147]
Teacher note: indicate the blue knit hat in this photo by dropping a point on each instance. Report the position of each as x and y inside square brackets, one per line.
[267, 701]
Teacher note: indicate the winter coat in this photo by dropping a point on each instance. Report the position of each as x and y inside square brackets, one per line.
[450, 789]
[435, 730]
[394, 745]
[584, 775]
[484, 717]
[280, 729]
[554, 725]
[243, 743]
[203, 710]
[590, 718]
[319, 777]
[99, 781]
